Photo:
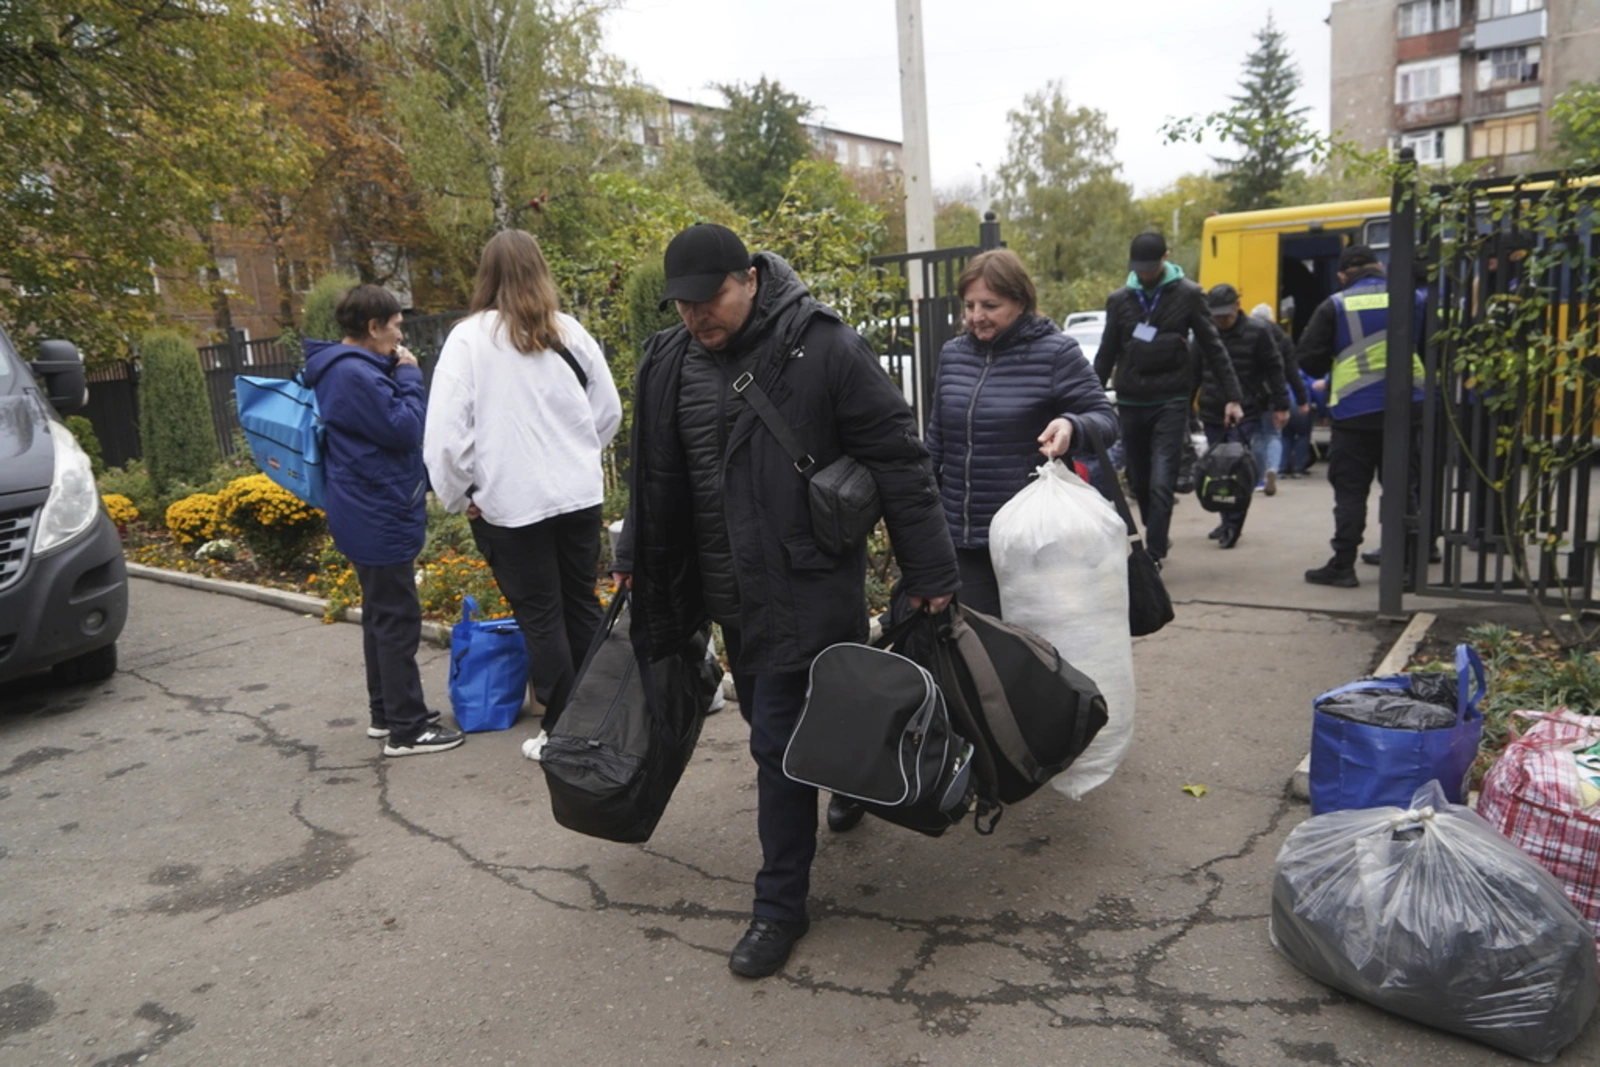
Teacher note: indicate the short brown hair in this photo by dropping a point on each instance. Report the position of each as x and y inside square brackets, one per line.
[359, 306]
[515, 280]
[1003, 273]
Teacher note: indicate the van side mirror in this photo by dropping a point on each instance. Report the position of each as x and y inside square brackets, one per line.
[61, 367]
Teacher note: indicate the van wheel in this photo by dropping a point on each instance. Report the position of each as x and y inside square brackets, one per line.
[94, 666]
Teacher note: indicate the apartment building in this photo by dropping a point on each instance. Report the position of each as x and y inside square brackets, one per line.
[1458, 80]
[852, 151]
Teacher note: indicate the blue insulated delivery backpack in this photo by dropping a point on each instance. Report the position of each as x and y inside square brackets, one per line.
[488, 670]
[281, 422]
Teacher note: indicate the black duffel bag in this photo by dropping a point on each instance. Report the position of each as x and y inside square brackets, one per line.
[615, 755]
[1028, 711]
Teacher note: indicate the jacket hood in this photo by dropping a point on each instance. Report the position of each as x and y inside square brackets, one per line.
[1365, 274]
[779, 291]
[321, 354]
[1172, 274]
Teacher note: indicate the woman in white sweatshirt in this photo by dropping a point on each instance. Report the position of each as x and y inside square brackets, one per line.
[521, 407]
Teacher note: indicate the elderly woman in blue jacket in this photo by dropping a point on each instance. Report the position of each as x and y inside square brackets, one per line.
[1011, 387]
[371, 397]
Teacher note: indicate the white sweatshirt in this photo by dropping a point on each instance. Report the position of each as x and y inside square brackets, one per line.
[518, 426]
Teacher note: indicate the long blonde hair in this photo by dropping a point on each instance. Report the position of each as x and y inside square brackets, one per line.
[514, 279]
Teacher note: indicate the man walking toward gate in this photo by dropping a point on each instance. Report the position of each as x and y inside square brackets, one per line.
[1346, 341]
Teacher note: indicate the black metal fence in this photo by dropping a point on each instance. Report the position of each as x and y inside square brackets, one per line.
[1511, 274]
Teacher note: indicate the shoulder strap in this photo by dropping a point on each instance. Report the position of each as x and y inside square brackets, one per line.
[583, 379]
[745, 386]
[991, 692]
[1108, 474]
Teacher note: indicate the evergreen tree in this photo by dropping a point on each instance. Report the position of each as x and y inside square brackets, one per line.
[1270, 131]
[175, 427]
[746, 151]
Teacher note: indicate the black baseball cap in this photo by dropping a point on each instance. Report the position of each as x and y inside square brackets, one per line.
[1357, 256]
[1222, 299]
[698, 259]
[1146, 252]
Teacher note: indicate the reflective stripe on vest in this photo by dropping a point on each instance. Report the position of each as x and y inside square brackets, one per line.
[1363, 363]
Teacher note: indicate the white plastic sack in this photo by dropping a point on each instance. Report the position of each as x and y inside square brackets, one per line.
[1431, 914]
[1060, 552]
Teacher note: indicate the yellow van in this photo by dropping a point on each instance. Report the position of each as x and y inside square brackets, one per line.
[1289, 253]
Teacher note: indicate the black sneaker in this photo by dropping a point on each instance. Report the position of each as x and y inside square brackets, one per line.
[1216, 534]
[433, 738]
[378, 729]
[844, 814]
[1229, 538]
[765, 947]
[1331, 573]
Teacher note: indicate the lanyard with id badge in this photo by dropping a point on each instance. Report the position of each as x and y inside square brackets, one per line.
[1146, 330]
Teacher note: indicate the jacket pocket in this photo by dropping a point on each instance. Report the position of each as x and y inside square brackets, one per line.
[804, 555]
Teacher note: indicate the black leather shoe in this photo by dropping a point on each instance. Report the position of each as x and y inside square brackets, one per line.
[1216, 535]
[1331, 573]
[765, 947]
[1229, 537]
[844, 814]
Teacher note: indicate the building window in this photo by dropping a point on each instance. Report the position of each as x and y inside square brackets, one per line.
[1429, 16]
[1427, 80]
[1496, 9]
[1505, 137]
[1503, 67]
[1427, 144]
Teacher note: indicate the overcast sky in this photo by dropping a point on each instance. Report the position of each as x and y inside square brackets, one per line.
[1139, 62]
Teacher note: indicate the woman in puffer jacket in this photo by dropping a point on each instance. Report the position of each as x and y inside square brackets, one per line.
[1012, 388]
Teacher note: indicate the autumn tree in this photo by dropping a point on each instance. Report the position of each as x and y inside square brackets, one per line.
[124, 128]
[1067, 211]
[1269, 130]
[746, 150]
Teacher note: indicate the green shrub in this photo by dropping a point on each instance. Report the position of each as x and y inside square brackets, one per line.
[278, 527]
[88, 440]
[133, 482]
[316, 317]
[175, 426]
[448, 533]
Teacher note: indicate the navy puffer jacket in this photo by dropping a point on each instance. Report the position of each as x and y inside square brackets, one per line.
[990, 406]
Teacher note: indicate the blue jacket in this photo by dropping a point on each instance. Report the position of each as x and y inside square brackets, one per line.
[991, 404]
[373, 409]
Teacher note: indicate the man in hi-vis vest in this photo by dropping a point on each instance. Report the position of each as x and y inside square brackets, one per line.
[1345, 347]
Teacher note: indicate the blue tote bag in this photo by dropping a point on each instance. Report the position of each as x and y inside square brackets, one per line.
[1364, 765]
[488, 671]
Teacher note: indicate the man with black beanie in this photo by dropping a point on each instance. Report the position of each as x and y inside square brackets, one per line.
[1144, 354]
[719, 525]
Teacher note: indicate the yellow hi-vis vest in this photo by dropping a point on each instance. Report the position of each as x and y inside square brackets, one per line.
[1356, 382]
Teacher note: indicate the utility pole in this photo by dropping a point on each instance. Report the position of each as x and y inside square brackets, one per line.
[914, 128]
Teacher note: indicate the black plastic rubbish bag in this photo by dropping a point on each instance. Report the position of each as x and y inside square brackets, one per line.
[1431, 914]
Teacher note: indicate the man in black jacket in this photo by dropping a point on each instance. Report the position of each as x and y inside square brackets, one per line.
[1259, 368]
[1144, 354]
[720, 526]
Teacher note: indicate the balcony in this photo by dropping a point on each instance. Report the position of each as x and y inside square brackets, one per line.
[1440, 111]
[1510, 30]
[1428, 45]
[1513, 98]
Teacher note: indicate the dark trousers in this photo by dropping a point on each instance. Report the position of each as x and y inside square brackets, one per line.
[1152, 445]
[546, 572]
[1215, 435]
[980, 589]
[391, 627]
[1355, 458]
[786, 811]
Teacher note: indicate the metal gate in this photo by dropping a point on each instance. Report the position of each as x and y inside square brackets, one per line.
[1511, 273]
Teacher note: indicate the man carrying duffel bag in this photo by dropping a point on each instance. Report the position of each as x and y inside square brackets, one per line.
[721, 524]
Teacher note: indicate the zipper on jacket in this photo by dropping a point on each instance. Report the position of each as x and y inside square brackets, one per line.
[966, 467]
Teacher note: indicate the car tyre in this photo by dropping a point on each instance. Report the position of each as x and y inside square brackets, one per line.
[94, 666]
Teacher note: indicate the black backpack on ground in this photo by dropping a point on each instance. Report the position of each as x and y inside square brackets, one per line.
[874, 728]
[1225, 477]
[627, 732]
[1028, 711]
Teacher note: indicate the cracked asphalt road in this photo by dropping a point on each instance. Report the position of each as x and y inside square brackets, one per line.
[206, 861]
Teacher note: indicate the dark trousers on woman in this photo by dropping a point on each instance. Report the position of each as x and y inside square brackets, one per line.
[786, 811]
[546, 572]
[980, 589]
[391, 627]
[1152, 445]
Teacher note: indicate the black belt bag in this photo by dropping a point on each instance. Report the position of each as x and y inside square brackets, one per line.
[843, 495]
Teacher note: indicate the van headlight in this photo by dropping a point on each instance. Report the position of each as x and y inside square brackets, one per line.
[74, 501]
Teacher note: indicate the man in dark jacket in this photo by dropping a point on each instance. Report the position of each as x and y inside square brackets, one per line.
[1259, 369]
[370, 394]
[719, 526]
[1346, 340]
[1144, 355]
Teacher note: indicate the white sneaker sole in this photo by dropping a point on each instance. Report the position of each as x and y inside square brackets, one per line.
[377, 733]
[533, 747]
[421, 750]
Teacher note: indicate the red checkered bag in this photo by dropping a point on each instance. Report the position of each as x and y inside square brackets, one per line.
[1531, 795]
